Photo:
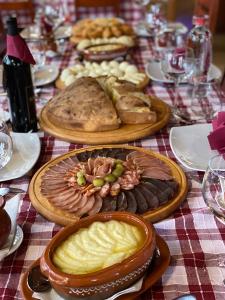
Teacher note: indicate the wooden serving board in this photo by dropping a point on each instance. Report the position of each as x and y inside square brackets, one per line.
[45, 208]
[154, 273]
[60, 84]
[124, 134]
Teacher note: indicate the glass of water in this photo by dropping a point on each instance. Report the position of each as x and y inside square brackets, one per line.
[6, 145]
[213, 186]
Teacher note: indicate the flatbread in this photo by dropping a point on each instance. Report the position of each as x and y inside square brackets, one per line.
[83, 106]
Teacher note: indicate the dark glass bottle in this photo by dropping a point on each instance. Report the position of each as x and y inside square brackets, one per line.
[17, 81]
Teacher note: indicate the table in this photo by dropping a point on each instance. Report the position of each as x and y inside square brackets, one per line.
[194, 237]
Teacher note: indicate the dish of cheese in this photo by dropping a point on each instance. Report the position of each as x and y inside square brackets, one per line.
[99, 246]
[123, 71]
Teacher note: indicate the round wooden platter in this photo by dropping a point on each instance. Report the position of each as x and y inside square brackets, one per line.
[61, 85]
[154, 273]
[45, 208]
[125, 133]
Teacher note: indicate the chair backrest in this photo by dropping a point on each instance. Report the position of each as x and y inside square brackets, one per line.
[17, 6]
[115, 4]
[210, 8]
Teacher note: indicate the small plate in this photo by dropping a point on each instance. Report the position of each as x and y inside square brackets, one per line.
[42, 76]
[17, 241]
[31, 33]
[26, 150]
[141, 31]
[153, 71]
[190, 145]
[45, 75]
[154, 273]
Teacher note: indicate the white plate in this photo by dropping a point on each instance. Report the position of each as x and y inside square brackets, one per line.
[26, 150]
[1, 72]
[45, 75]
[17, 240]
[4, 115]
[154, 72]
[190, 145]
[42, 76]
[141, 31]
[31, 33]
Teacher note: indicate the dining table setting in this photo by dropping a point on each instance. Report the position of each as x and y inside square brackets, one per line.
[112, 164]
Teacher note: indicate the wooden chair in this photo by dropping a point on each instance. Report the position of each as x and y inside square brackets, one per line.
[26, 5]
[210, 8]
[115, 4]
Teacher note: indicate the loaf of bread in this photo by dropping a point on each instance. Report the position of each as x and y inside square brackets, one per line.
[99, 104]
[84, 106]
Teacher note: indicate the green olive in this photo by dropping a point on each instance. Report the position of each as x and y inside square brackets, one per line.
[120, 167]
[81, 180]
[117, 172]
[98, 182]
[80, 174]
[110, 178]
[118, 161]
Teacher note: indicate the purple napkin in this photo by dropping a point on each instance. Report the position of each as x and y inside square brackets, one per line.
[217, 136]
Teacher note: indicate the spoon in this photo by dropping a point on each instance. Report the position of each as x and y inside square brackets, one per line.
[4, 191]
[37, 282]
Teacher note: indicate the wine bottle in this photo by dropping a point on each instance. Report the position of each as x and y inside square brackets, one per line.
[17, 81]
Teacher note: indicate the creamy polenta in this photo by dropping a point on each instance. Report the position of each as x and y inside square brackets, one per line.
[101, 245]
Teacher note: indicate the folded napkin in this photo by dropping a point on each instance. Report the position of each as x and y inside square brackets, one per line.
[52, 295]
[11, 207]
[216, 138]
[177, 59]
[17, 47]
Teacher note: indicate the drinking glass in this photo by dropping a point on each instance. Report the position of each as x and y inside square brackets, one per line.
[213, 186]
[6, 146]
[176, 65]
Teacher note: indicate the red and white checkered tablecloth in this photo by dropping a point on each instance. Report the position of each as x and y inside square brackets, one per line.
[195, 238]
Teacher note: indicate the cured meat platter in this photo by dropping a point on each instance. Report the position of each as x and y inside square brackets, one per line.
[108, 178]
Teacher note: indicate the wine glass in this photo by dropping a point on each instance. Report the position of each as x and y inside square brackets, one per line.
[213, 186]
[176, 65]
[142, 3]
[205, 101]
[6, 146]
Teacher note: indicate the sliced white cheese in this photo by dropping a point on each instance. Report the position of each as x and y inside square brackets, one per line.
[69, 79]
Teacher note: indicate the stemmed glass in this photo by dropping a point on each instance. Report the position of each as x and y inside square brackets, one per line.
[6, 146]
[213, 186]
[142, 3]
[176, 65]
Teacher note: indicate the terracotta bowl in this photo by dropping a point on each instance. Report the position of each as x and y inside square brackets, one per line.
[108, 281]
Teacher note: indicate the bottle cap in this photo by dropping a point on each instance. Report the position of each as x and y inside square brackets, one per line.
[12, 26]
[200, 20]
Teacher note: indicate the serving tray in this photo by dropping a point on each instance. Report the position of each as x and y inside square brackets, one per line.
[60, 84]
[154, 273]
[44, 207]
[125, 133]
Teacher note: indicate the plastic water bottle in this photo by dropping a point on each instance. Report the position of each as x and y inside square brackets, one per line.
[199, 40]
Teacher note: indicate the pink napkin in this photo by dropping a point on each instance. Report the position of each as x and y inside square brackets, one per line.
[177, 59]
[217, 136]
[17, 47]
